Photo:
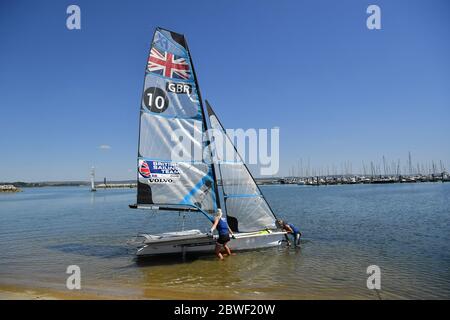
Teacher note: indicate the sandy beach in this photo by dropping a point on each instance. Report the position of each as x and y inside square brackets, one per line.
[18, 292]
[9, 292]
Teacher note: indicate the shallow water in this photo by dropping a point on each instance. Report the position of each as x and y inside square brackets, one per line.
[402, 228]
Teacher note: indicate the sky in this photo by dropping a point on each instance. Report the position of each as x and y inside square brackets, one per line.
[339, 92]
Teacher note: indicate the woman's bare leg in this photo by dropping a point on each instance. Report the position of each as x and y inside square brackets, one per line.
[227, 249]
[218, 254]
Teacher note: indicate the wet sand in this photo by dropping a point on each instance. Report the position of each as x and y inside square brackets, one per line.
[24, 293]
[18, 292]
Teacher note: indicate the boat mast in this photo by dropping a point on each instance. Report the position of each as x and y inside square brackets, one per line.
[205, 125]
[409, 163]
[139, 128]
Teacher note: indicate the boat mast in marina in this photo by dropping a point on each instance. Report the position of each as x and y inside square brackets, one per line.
[409, 163]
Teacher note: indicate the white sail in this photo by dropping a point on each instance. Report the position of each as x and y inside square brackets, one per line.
[246, 208]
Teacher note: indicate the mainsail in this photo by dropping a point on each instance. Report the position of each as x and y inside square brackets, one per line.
[246, 208]
[173, 171]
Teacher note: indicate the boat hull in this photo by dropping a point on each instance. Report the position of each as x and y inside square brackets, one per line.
[205, 244]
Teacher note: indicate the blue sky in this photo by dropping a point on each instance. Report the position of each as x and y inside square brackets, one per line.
[338, 91]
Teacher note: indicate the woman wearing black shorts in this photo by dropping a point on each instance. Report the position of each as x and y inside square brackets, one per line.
[224, 231]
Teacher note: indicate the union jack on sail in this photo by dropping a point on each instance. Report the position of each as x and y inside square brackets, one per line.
[169, 65]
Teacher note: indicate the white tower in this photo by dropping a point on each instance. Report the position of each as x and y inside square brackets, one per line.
[93, 179]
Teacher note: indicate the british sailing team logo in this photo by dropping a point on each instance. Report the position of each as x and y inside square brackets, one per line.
[168, 65]
[159, 171]
[144, 170]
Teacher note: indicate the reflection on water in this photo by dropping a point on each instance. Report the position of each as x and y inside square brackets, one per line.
[404, 229]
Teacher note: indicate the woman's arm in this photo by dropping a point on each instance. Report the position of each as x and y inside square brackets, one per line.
[216, 221]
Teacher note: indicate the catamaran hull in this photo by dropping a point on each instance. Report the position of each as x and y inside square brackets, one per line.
[243, 241]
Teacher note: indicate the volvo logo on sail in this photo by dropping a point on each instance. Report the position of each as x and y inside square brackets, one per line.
[176, 87]
[160, 180]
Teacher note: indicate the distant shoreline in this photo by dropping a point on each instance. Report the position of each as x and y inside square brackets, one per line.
[311, 181]
[21, 184]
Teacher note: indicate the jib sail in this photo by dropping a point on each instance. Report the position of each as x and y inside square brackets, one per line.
[246, 208]
[172, 171]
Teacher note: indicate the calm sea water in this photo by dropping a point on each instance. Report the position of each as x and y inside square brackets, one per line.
[404, 229]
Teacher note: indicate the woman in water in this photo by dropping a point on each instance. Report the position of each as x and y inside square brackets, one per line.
[290, 229]
[224, 231]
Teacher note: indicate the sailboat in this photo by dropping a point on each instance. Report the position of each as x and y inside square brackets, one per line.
[179, 176]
